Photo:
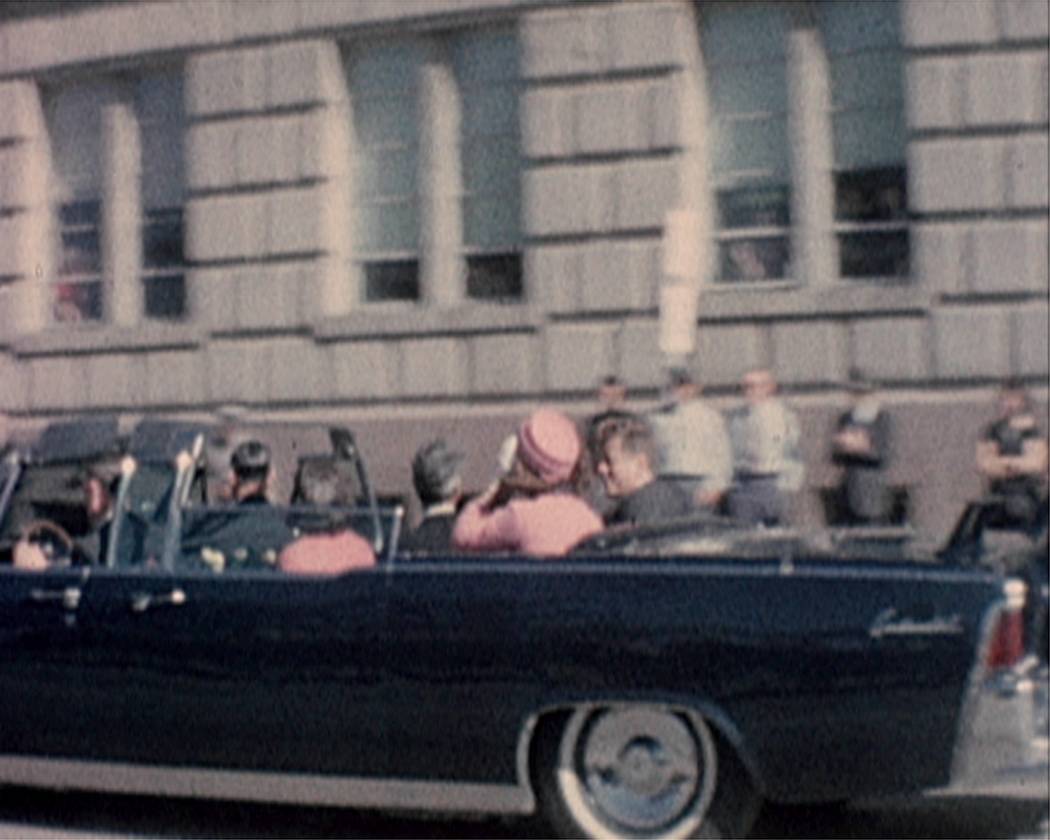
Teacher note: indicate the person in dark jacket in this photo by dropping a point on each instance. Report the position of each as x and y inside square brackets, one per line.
[439, 485]
[1012, 458]
[626, 467]
[251, 533]
[862, 447]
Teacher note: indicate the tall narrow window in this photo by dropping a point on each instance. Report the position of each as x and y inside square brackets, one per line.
[862, 40]
[744, 58]
[74, 117]
[384, 90]
[486, 72]
[159, 111]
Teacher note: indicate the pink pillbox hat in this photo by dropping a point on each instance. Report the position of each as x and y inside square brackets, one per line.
[549, 445]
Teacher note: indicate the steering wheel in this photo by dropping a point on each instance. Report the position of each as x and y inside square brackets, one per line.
[54, 540]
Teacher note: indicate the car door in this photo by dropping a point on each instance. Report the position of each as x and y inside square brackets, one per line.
[42, 670]
[245, 670]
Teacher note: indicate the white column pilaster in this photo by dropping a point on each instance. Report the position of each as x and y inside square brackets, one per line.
[339, 283]
[814, 248]
[442, 270]
[121, 216]
[32, 257]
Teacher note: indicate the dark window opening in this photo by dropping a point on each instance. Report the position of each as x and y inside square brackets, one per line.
[871, 254]
[162, 257]
[392, 280]
[871, 195]
[495, 277]
[165, 296]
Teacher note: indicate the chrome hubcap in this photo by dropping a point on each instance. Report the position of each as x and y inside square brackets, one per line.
[640, 767]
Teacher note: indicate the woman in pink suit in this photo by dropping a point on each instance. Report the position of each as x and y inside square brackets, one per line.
[533, 509]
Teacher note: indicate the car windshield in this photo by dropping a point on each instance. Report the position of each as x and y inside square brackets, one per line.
[46, 491]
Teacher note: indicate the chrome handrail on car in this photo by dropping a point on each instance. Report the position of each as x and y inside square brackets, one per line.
[180, 491]
[345, 446]
[12, 470]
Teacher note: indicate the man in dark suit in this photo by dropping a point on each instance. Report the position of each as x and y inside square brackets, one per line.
[251, 533]
[862, 447]
[439, 485]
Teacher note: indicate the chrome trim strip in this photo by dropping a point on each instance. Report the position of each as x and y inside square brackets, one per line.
[260, 786]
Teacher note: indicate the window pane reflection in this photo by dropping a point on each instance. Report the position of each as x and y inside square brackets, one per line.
[744, 55]
[485, 65]
[760, 258]
[77, 301]
[869, 133]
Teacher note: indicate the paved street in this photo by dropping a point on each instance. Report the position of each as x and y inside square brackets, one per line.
[1011, 813]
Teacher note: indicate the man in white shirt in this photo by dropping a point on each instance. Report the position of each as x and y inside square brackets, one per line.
[693, 443]
[766, 459]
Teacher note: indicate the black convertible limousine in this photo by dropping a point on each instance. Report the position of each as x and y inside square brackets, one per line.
[655, 683]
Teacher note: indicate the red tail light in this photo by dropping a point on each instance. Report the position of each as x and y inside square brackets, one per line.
[1007, 643]
[1006, 646]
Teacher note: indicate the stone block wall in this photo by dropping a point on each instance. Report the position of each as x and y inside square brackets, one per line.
[978, 182]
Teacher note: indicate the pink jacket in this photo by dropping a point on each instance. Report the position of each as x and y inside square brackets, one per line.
[546, 526]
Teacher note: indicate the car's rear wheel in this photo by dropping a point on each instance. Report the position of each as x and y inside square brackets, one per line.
[638, 771]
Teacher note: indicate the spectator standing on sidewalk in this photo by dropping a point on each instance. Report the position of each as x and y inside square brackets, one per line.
[1012, 457]
[693, 442]
[862, 446]
[766, 457]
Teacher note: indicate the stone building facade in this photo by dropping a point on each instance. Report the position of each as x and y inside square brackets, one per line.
[426, 216]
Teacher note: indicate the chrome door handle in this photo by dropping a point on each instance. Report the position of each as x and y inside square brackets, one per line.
[142, 601]
[68, 597]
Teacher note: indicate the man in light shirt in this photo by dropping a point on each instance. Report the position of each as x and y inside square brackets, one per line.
[766, 459]
[693, 443]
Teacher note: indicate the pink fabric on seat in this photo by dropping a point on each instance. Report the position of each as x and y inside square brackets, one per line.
[327, 554]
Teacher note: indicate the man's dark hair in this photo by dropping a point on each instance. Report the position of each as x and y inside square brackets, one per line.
[321, 484]
[435, 472]
[634, 432]
[251, 461]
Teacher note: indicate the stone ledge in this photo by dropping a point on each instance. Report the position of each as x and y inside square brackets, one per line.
[107, 339]
[379, 320]
[844, 297]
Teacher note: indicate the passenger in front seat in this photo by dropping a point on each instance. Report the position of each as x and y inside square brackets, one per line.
[253, 533]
